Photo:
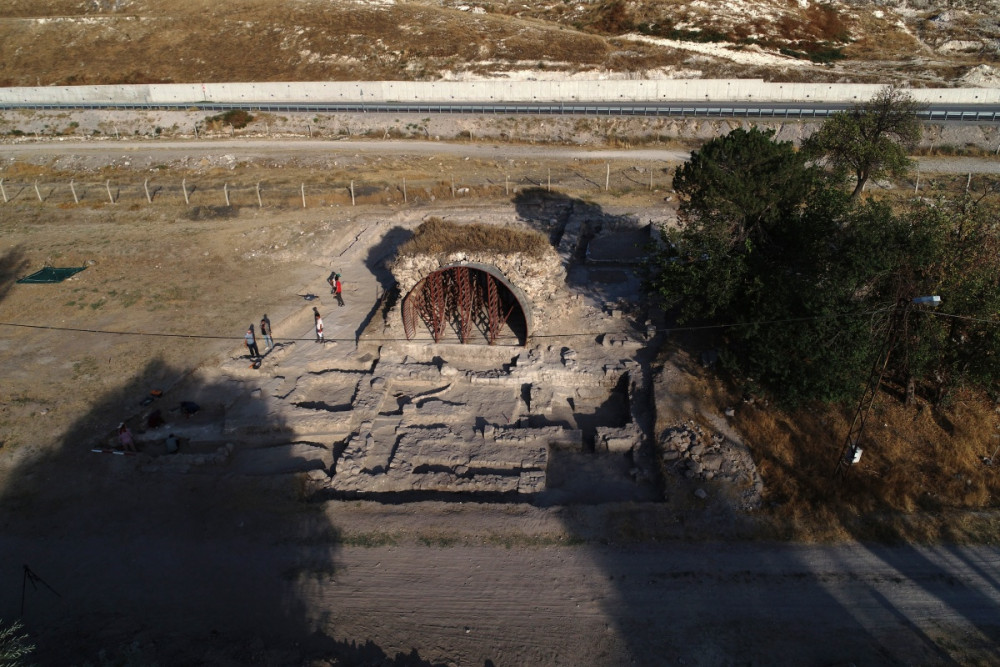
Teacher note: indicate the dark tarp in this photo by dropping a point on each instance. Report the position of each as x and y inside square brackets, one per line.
[50, 274]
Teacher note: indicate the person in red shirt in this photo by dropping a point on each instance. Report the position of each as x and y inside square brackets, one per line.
[337, 288]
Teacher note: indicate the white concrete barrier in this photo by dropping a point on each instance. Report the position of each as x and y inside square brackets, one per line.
[495, 91]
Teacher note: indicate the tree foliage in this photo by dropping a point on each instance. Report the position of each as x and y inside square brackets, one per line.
[740, 184]
[802, 279]
[15, 645]
[870, 140]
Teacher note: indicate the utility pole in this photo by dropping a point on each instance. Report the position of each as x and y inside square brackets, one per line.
[850, 453]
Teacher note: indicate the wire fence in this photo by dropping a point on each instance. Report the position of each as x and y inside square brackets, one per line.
[316, 193]
[576, 179]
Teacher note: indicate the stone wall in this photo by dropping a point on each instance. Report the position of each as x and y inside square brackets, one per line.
[541, 280]
[497, 91]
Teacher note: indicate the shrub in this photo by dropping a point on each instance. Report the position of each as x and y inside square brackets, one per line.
[437, 236]
[238, 118]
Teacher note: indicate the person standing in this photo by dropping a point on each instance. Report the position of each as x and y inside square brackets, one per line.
[319, 325]
[251, 343]
[330, 279]
[337, 288]
[265, 331]
[125, 438]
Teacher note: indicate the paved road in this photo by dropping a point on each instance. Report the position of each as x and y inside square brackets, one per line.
[702, 604]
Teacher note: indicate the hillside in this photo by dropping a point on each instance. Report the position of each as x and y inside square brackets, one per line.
[71, 42]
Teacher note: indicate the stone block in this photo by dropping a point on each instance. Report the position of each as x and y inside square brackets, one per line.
[712, 462]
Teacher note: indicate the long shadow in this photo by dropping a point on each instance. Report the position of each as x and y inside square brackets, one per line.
[382, 252]
[13, 265]
[963, 595]
[190, 558]
[727, 601]
[377, 261]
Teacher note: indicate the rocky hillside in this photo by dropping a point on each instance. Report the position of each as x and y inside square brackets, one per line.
[65, 42]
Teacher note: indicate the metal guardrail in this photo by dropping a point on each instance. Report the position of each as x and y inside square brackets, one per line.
[945, 114]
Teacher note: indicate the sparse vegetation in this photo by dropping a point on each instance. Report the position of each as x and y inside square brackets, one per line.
[437, 236]
[312, 40]
[237, 118]
[15, 645]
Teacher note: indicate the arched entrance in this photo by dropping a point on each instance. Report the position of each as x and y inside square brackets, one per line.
[473, 302]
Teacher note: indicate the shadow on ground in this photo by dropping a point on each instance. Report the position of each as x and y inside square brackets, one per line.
[170, 559]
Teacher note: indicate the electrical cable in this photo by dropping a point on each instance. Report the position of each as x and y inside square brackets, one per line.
[389, 340]
[963, 317]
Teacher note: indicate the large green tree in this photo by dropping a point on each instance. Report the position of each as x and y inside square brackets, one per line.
[955, 254]
[801, 280]
[870, 140]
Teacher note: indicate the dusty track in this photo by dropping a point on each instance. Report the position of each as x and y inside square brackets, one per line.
[103, 151]
[240, 600]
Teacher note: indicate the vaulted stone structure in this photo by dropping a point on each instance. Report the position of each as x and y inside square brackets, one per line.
[477, 296]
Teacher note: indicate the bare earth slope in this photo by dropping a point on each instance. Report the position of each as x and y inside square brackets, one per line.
[66, 42]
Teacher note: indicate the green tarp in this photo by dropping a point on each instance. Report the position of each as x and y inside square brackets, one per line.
[50, 274]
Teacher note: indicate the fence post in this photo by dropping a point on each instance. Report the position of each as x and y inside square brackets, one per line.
[303, 195]
[310, 129]
[232, 130]
[3, 191]
[404, 190]
[225, 191]
[352, 193]
[452, 187]
[260, 204]
[145, 186]
[184, 189]
[72, 188]
[39, 194]
[968, 183]
[196, 135]
[107, 185]
[607, 178]
[506, 184]
[548, 187]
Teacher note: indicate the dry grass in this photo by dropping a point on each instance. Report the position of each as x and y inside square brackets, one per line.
[920, 469]
[437, 236]
[148, 41]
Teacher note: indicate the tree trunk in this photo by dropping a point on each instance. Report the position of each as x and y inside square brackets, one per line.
[911, 390]
[860, 186]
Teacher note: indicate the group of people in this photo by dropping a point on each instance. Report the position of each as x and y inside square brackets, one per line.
[125, 439]
[336, 288]
[251, 339]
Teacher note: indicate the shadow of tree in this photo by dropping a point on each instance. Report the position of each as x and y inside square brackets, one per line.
[158, 553]
[14, 264]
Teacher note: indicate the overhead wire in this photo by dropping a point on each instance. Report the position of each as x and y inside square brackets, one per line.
[670, 329]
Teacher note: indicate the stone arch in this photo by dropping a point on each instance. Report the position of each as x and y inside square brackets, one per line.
[474, 302]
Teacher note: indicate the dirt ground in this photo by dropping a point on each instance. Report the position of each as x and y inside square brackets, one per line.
[137, 563]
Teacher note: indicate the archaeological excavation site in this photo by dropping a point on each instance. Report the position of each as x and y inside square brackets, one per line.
[505, 360]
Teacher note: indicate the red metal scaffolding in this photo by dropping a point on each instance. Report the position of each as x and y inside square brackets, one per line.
[461, 297]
